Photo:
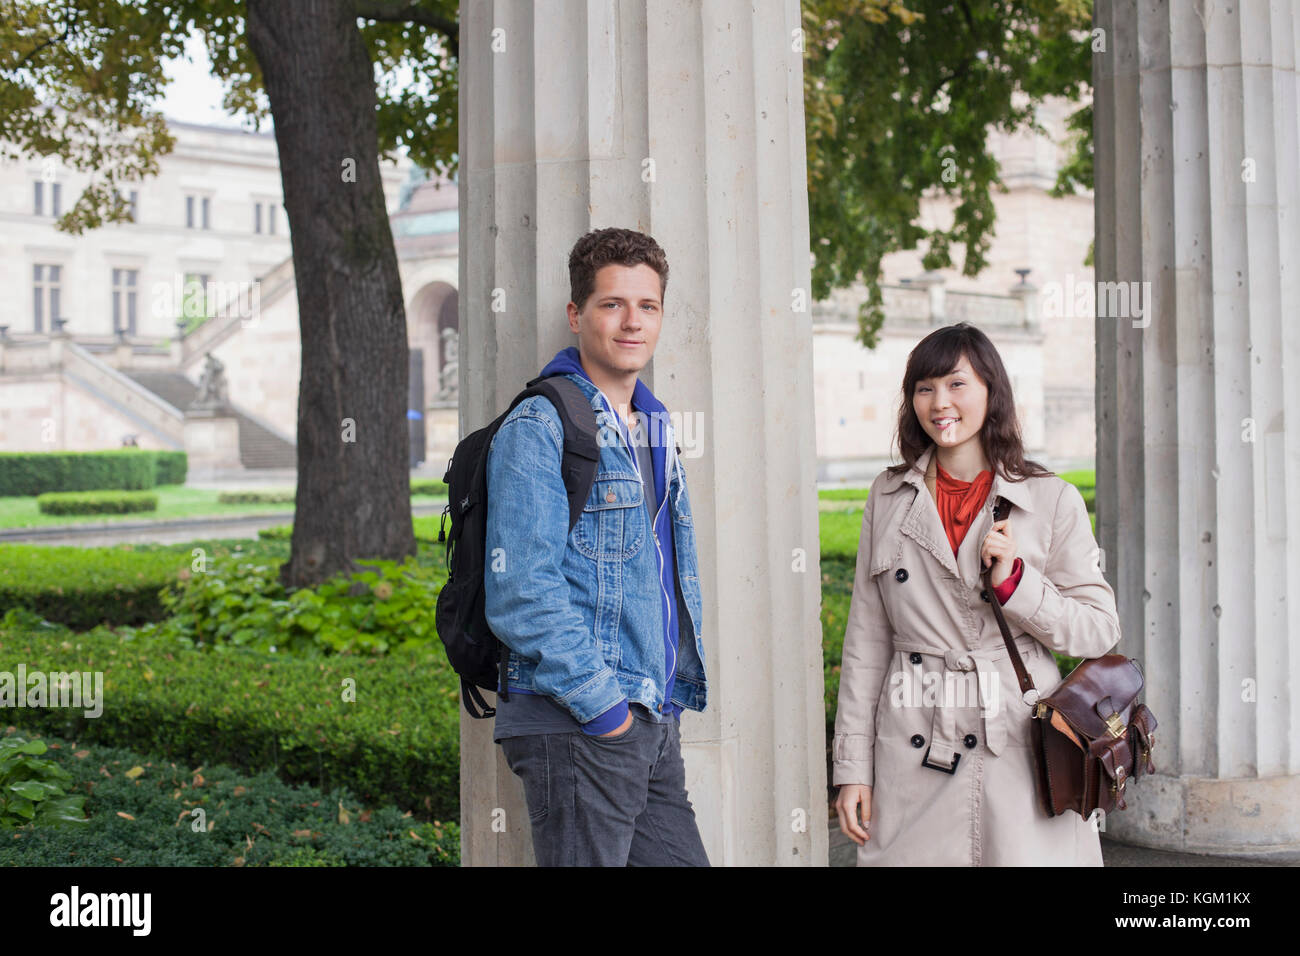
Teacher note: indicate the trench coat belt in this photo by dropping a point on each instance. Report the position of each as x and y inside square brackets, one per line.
[944, 735]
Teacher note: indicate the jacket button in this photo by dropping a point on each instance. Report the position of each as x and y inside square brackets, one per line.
[970, 741]
[611, 497]
[918, 741]
[900, 575]
[984, 595]
[914, 657]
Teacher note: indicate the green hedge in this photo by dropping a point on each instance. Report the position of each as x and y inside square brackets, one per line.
[428, 486]
[256, 497]
[141, 814]
[398, 742]
[129, 469]
[83, 587]
[173, 466]
[96, 502]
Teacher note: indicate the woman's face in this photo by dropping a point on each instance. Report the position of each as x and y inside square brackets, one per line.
[951, 409]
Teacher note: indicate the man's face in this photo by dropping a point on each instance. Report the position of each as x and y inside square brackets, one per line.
[618, 325]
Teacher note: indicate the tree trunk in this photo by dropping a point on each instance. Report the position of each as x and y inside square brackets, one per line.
[353, 497]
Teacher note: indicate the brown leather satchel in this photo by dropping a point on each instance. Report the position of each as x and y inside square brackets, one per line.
[1090, 735]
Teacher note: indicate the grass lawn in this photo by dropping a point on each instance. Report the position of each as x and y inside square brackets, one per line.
[174, 501]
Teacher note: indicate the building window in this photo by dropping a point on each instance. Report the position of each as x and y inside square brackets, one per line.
[56, 199]
[38, 199]
[189, 212]
[206, 204]
[124, 298]
[270, 217]
[257, 217]
[45, 295]
[133, 205]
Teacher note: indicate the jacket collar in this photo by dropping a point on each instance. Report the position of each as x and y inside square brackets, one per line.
[1016, 492]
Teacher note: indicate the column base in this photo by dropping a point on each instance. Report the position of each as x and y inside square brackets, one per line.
[1254, 818]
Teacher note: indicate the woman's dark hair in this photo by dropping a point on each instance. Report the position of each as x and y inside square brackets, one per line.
[938, 355]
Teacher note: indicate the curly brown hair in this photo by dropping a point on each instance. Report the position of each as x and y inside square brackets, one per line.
[937, 355]
[602, 247]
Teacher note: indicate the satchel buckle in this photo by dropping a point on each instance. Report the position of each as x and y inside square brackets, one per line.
[1114, 725]
[1117, 788]
[925, 762]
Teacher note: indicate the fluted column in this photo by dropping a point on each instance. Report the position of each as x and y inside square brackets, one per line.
[683, 119]
[1198, 461]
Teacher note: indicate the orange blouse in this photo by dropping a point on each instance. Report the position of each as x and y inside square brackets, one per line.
[959, 502]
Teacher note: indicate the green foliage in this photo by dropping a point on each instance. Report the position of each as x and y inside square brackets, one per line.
[34, 473]
[103, 63]
[843, 494]
[256, 497]
[142, 813]
[96, 502]
[397, 740]
[840, 533]
[33, 791]
[172, 467]
[425, 528]
[428, 486]
[900, 98]
[390, 605]
[1082, 479]
[82, 587]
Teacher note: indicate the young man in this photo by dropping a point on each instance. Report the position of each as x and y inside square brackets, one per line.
[603, 624]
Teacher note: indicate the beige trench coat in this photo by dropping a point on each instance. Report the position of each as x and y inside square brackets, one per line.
[925, 675]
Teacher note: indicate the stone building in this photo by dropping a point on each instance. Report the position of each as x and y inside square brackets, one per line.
[106, 335]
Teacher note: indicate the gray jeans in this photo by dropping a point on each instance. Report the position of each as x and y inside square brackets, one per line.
[608, 801]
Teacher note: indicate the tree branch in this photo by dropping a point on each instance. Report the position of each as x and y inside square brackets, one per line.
[49, 41]
[399, 11]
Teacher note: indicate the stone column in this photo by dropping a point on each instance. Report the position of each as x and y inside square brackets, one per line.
[684, 120]
[1198, 466]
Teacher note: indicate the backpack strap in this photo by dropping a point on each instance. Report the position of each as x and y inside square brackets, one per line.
[581, 451]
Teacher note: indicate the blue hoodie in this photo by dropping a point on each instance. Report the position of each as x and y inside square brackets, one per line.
[568, 362]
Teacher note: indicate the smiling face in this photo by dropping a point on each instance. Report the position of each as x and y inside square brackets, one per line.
[951, 408]
[618, 326]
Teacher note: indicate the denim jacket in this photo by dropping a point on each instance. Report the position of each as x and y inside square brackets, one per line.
[583, 613]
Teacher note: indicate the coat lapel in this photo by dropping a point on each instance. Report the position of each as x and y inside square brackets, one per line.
[922, 523]
[924, 526]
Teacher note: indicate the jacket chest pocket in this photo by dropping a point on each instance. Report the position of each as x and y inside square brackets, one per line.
[613, 522]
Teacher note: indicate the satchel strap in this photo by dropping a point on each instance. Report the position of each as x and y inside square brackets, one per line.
[1000, 509]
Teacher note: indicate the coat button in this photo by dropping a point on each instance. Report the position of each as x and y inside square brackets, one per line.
[900, 575]
[918, 741]
[970, 741]
[611, 497]
[984, 595]
[914, 657]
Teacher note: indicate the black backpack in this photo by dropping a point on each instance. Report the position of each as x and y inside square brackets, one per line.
[477, 654]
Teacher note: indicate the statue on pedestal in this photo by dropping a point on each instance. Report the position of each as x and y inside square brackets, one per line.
[449, 377]
[213, 390]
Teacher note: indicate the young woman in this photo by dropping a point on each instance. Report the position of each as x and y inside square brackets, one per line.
[932, 739]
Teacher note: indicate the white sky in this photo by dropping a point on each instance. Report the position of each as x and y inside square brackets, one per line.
[194, 95]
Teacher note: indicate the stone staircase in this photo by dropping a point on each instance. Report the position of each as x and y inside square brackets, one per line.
[259, 446]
